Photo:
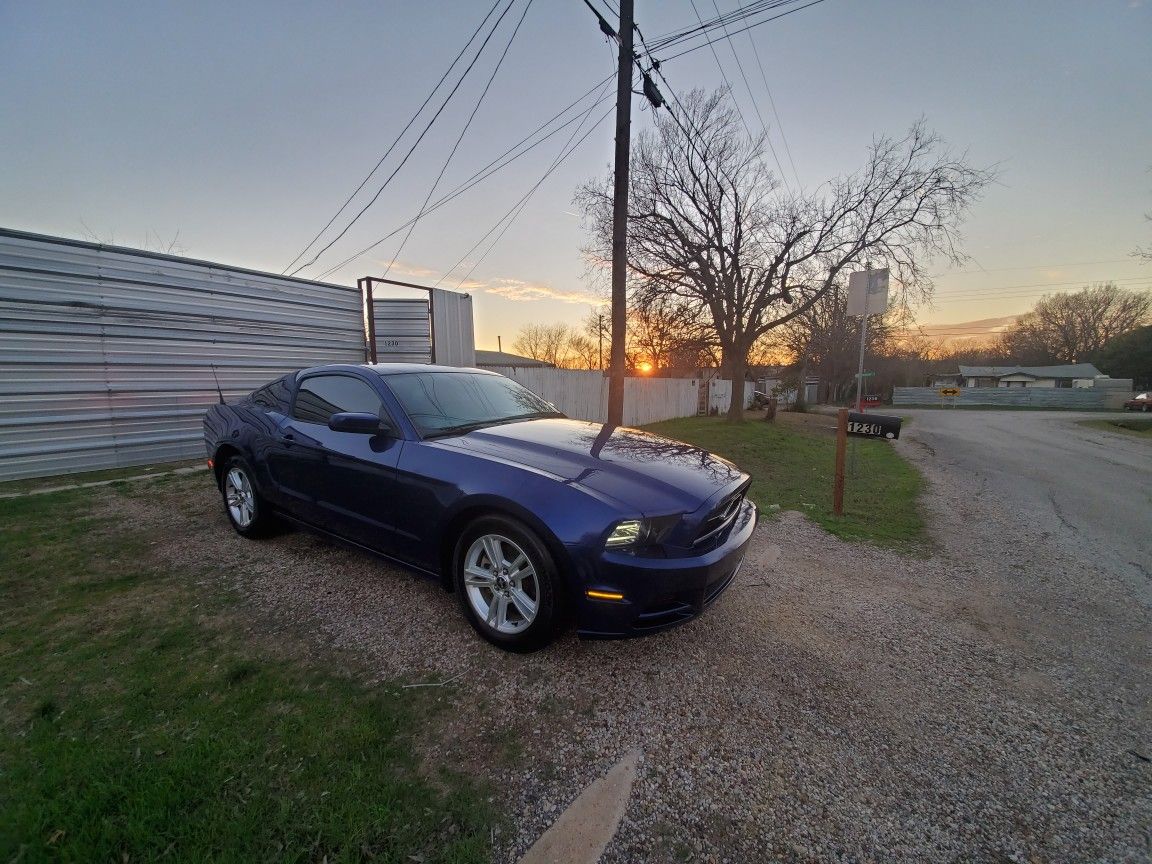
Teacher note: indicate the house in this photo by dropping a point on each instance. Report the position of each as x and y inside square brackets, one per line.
[1066, 375]
[500, 359]
[770, 380]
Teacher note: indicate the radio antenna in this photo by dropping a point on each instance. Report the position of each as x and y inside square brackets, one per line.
[217, 380]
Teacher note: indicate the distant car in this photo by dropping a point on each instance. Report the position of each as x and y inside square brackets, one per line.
[531, 518]
[1139, 402]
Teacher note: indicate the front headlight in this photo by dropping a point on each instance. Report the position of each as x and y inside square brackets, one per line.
[640, 532]
[624, 534]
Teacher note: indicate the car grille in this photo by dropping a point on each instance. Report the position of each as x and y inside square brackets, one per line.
[721, 518]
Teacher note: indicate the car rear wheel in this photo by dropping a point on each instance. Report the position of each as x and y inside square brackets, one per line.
[242, 502]
[507, 584]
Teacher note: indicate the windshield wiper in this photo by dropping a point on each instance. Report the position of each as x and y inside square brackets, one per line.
[458, 429]
[532, 415]
[462, 428]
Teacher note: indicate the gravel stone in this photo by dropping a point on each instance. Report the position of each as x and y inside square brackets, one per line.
[987, 701]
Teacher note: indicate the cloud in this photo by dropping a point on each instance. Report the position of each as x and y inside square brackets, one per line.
[403, 268]
[526, 292]
[506, 287]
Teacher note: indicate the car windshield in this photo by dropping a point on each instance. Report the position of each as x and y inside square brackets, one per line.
[446, 403]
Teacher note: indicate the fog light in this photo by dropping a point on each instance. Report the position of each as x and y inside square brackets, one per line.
[604, 595]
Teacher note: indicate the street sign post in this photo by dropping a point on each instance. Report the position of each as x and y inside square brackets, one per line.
[948, 394]
[868, 292]
[867, 295]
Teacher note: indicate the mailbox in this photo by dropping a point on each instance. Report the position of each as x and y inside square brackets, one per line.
[873, 425]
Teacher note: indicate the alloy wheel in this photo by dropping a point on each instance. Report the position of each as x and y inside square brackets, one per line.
[240, 498]
[502, 583]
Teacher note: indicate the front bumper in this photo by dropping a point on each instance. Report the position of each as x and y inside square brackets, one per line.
[661, 592]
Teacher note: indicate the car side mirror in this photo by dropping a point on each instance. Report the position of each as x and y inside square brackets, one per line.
[358, 423]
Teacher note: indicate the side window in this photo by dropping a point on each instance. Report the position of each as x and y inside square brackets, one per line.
[321, 396]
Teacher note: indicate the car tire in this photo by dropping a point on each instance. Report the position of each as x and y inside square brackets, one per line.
[245, 508]
[515, 604]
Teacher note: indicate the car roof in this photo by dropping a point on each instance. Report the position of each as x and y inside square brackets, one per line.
[386, 369]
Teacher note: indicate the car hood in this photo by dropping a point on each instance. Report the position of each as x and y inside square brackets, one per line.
[645, 472]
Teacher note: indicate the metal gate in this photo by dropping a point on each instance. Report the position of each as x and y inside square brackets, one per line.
[436, 329]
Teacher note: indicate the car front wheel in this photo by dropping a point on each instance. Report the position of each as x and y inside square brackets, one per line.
[507, 584]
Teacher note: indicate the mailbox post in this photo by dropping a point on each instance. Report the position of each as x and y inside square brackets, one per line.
[860, 425]
[873, 425]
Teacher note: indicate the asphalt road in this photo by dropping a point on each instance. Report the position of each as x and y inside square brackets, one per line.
[1087, 489]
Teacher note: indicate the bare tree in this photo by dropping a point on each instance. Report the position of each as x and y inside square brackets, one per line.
[1128, 356]
[710, 227]
[582, 353]
[546, 342]
[663, 330]
[1144, 252]
[826, 342]
[1066, 328]
[168, 247]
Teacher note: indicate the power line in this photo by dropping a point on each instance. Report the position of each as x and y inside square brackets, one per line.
[994, 299]
[742, 30]
[775, 113]
[411, 149]
[515, 210]
[748, 87]
[737, 15]
[727, 84]
[496, 165]
[460, 137]
[1031, 267]
[988, 291]
[519, 208]
[396, 141]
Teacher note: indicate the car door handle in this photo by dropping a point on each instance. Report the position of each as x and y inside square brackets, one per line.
[288, 438]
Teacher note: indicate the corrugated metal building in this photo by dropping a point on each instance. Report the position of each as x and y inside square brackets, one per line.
[109, 356]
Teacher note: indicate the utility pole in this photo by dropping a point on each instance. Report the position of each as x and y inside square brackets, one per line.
[600, 333]
[620, 214]
[499, 345]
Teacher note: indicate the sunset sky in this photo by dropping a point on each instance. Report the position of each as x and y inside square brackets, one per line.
[237, 129]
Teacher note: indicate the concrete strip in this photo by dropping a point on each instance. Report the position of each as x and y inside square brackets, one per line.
[583, 831]
[49, 489]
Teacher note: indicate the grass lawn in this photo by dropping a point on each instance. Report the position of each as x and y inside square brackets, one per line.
[1137, 427]
[792, 461]
[139, 721]
[12, 487]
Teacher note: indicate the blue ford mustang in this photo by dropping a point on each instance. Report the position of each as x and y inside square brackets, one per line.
[531, 518]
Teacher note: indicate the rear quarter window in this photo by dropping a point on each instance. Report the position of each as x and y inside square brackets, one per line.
[276, 396]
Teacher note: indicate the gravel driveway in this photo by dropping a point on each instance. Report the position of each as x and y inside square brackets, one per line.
[987, 702]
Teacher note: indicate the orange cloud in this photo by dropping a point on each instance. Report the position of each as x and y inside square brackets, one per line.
[521, 291]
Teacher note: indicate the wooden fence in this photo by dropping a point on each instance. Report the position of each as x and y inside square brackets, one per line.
[584, 395]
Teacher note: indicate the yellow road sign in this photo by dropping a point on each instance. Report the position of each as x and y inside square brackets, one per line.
[949, 391]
